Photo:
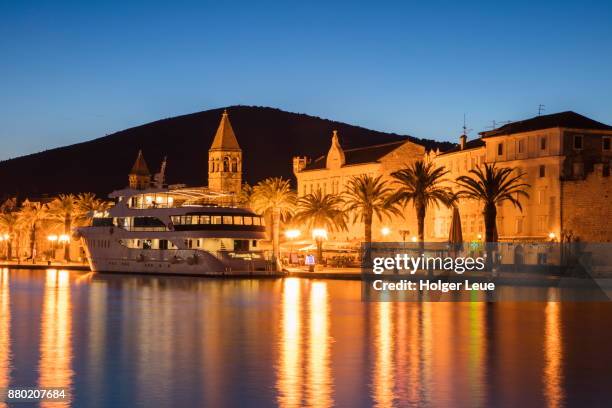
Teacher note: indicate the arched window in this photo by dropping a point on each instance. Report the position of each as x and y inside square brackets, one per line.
[235, 165]
[226, 164]
[216, 169]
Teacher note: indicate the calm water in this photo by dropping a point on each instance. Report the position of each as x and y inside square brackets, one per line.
[120, 341]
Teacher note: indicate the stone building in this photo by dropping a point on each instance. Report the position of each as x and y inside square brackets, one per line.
[565, 157]
[562, 155]
[330, 174]
[225, 160]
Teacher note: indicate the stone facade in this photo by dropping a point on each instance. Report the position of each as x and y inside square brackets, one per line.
[225, 160]
[331, 173]
[587, 207]
[565, 158]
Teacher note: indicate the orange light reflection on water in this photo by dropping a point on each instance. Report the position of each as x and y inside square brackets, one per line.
[553, 354]
[5, 332]
[56, 335]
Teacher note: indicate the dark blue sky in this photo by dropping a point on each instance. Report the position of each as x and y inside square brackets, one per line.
[70, 72]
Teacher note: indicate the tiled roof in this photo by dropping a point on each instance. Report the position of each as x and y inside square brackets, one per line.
[360, 155]
[566, 119]
[472, 144]
[140, 167]
[225, 139]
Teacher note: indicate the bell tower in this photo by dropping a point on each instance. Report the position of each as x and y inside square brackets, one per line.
[225, 160]
[140, 177]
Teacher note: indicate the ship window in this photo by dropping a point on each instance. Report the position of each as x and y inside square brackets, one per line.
[175, 219]
[256, 221]
[163, 244]
[248, 221]
[227, 219]
[216, 219]
[187, 219]
[237, 220]
[204, 219]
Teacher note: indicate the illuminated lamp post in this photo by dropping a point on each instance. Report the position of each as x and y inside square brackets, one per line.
[291, 235]
[53, 240]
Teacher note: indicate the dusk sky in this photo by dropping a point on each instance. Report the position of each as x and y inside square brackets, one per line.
[71, 72]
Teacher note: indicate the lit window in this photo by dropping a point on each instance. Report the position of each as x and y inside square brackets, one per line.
[248, 221]
[606, 143]
[204, 219]
[216, 219]
[227, 219]
[578, 142]
[256, 221]
[238, 220]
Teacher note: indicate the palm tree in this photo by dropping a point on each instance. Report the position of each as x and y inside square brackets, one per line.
[86, 204]
[31, 215]
[367, 197]
[62, 211]
[493, 185]
[275, 199]
[422, 184]
[321, 211]
[245, 196]
[8, 225]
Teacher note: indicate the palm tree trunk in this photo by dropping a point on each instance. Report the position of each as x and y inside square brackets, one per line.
[9, 250]
[67, 228]
[319, 251]
[367, 255]
[276, 215]
[420, 210]
[32, 241]
[490, 219]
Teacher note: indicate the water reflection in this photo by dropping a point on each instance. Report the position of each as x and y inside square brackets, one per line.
[5, 331]
[383, 369]
[290, 359]
[56, 335]
[230, 343]
[553, 354]
[318, 379]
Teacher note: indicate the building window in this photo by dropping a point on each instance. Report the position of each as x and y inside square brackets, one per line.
[542, 170]
[519, 225]
[606, 143]
[578, 142]
[500, 149]
[521, 146]
[543, 143]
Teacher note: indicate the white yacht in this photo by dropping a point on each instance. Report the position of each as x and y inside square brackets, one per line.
[154, 228]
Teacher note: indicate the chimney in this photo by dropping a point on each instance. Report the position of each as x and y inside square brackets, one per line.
[462, 140]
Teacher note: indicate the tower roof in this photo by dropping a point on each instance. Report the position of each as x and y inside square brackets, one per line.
[225, 139]
[140, 167]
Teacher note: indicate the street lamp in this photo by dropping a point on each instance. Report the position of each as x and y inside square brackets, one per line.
[291, 235]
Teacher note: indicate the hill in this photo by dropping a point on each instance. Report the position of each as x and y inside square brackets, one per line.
[269, 138]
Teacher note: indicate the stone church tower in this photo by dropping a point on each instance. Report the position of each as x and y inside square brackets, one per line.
[225, 160]
[140, 177]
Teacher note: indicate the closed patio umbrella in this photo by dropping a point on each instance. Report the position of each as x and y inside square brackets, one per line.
[455, 236]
